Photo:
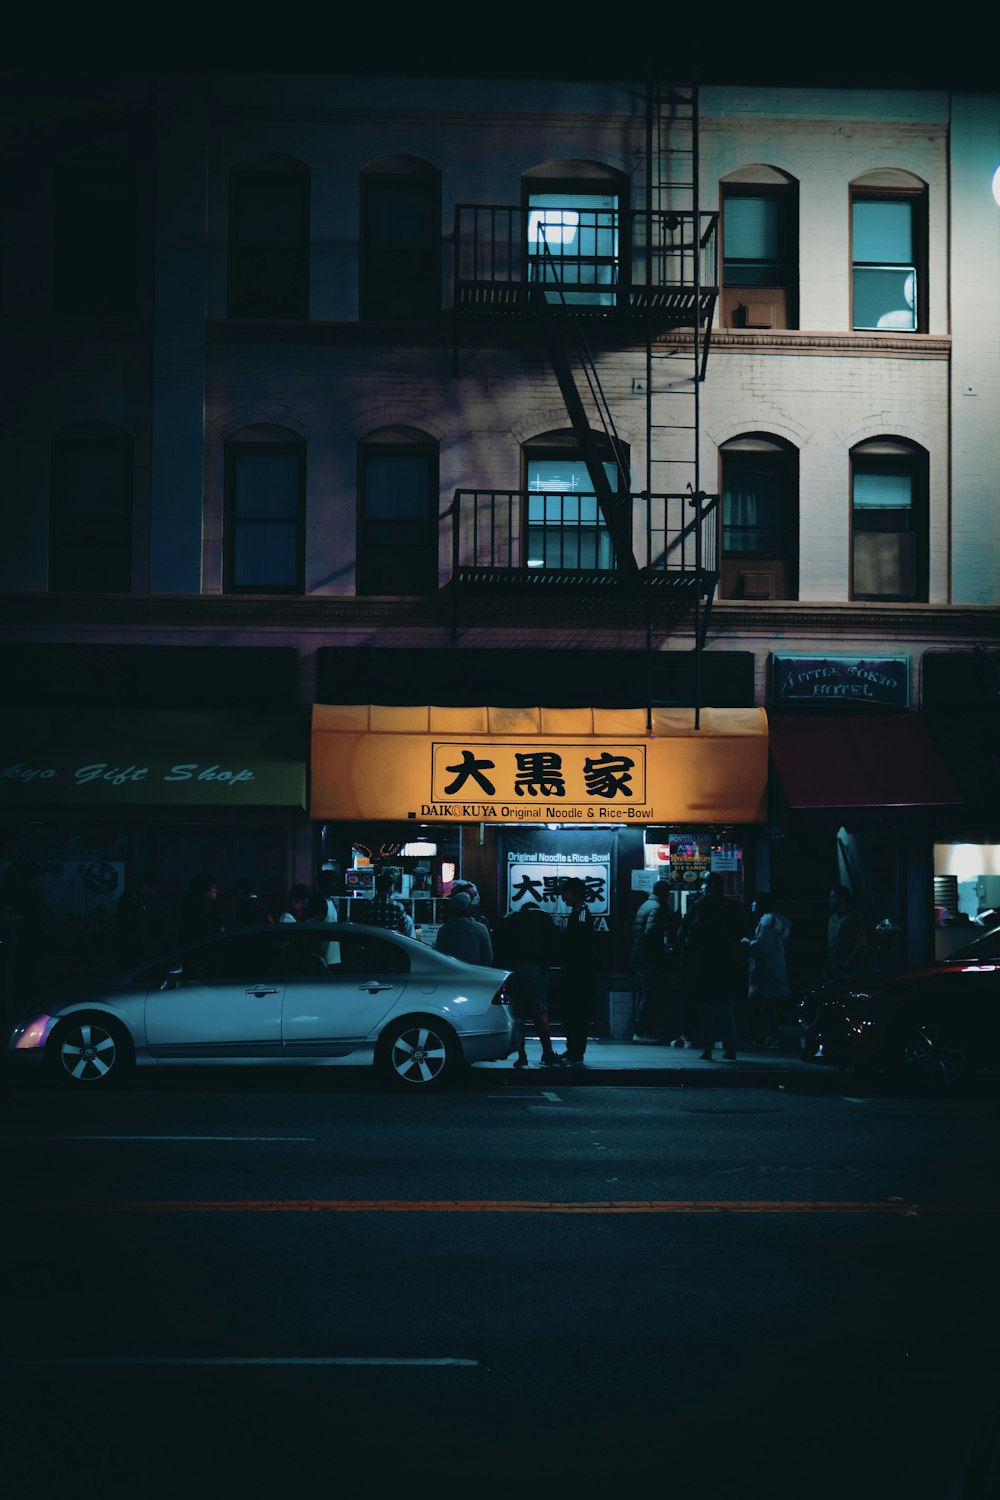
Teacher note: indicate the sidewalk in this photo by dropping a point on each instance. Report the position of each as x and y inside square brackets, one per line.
[617, 1062]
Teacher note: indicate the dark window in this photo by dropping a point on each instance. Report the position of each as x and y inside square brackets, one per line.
[889, 260]
[239, 956]
[574, 242]
[400, 245]
[889, 521]
[90, 532]
[759, 520]
[368, 955]
[269, 243]
[265, 487]
[398, 525]
[760, 256]
[95, 236]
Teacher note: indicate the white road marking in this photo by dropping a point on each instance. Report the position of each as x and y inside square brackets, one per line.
[154, 1359]
[250, 1138]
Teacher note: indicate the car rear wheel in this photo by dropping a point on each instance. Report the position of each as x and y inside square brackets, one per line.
[89, 1052]
[418, 1053]
[930, 1060]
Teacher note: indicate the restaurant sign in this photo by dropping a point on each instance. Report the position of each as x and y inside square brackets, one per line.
[882, 681]
[529, 766]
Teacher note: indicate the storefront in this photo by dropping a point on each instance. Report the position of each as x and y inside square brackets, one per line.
[518, 799]
[97, 798]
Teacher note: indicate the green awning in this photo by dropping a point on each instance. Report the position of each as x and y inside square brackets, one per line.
[110, 759]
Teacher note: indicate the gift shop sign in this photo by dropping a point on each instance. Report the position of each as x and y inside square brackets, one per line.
[121, 781]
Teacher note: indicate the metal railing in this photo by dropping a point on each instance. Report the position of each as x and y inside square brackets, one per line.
[528, 531]
[653, 252]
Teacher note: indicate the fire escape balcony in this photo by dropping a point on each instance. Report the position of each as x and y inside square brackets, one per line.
[521, 544]
[595, 265]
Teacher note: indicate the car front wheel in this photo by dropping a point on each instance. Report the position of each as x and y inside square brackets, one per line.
[418, 1053]
[90, 1051]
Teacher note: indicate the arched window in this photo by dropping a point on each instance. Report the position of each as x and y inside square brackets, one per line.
[760, 507]
[96, 235]
[889, 252]
[760, 249]
[269, 239]
[265, 512]
[90, 519]
[575, 220]
[564, 526]
[889, 520]
[397, 512]
[400, 240]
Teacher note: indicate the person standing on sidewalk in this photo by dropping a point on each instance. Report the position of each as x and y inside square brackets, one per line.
[767, 982]
[715, 963]
[577, 957]
[526, 944]
[651, 964]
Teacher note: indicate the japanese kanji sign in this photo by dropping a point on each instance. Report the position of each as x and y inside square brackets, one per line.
[521, 766]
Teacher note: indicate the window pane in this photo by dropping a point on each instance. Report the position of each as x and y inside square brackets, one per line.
[753, 229]
[94, 483]
[882, 491]
[885, 564]
[266, 485]
[579, 231]
[883, 230]
[265, 554]
[268, 212]
[885, 297]
[397, 487]
[399, 218]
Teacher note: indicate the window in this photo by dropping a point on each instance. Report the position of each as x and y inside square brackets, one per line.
[759, 519]
[400, 241]
[574, 231]
[888, 238]
[889, 521]
[565, 528]
[397, 523]
[90, 527]
[760, 250]
[95, 236]
[269, 241]
[265, 503]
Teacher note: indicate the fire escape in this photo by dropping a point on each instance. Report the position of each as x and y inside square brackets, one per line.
[616, 276]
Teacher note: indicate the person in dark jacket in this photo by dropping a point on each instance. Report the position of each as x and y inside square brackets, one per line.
[577, 956]
[139, 921]
[657, 1014]
[714, 963]
[526, 943]
[461, 936]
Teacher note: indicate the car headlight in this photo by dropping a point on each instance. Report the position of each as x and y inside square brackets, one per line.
[30, 1035]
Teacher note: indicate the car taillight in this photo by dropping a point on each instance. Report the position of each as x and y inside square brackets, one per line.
[501, 997]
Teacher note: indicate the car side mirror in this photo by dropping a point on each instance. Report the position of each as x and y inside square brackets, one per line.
[172, 980]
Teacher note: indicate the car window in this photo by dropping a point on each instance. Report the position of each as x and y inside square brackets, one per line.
[238, 955]
[987, 946]
[302, 953]
[367, 955]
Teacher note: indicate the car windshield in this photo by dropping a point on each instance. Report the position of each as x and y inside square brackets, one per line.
[987, 946]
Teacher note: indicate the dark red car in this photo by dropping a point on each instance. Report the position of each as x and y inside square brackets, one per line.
[934, 1023]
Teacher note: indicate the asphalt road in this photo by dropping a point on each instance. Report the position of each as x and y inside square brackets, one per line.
[219, 1283]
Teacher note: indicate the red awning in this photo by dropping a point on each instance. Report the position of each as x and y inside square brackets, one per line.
[885, 761]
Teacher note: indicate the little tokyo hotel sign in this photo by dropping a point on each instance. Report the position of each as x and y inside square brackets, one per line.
[484, 765]
[882, 681]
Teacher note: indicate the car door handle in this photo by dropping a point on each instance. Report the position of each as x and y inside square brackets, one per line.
[262, 989]
[373, 987]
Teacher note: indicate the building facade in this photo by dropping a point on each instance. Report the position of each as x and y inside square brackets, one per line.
[597, 435]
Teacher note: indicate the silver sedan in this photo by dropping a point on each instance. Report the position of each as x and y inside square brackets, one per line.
[313, 994]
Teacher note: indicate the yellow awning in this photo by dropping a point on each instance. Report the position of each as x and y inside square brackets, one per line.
[551, 765]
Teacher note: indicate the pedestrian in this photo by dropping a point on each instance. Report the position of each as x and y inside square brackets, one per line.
[384, 910]
[139, 921]
[201, 915]
[326, 896]
[714, 962]
[460, 935]
[248, 909]
[296, 908]
[576, 956]
[846, 938]
[470, 889]
[526, 941]
[657, 1010]
[768, 990]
